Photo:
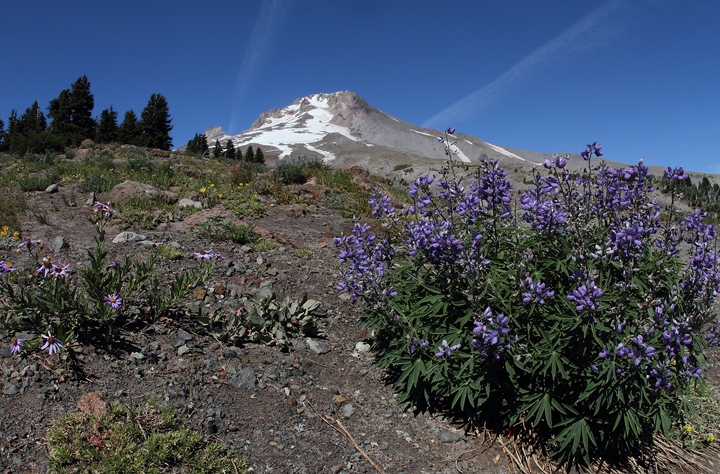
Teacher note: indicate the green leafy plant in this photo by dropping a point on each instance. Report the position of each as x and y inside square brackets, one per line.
[144, 438]
[52, 302]
[265, 320]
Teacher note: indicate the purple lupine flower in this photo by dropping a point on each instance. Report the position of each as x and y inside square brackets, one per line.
[113, 300]
[677, 173]
[415, 343]
[537, 291]
[596, 149]
[441, 139]
[450, 131]
[560, 162]
[587, 296]
[51, 343]
[446, 350]
[490, 331]
[16, 345]
[380, 204]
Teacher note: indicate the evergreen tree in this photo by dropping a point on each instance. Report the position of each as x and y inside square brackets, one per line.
[108, 127]
[129, 132]
[3, 135]
[60, 111]
[33, 120]
[259, 156]
[155, 123]
[71, 113]
[198, 145]
[249, 155]
[217, 151]
[29, 135]
[82, 103]
[230, 150]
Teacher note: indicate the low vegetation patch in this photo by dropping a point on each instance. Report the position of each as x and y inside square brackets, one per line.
[146, 438]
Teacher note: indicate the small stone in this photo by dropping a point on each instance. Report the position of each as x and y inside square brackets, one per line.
[362, 347]
[125, 237]
[259, 260]
[317, 346]
[174, 244]
[92, 403]
[184, 335]
[137, 356]
[447, 436]
[51, 189]
[179, 341]
[214, 346]
[344, 296]
[199, 294]
[58, 244]
[245, 249]
[347, 410]
[219, 290]
[243, 379]
[183, 349]
[272, 271]
[10, 388]
[189, 202]
[210, 426]
[6, 352]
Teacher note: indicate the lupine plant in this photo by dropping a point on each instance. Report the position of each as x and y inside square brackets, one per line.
[571, 308]
[53, 302]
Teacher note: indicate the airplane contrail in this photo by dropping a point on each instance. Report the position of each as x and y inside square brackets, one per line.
[588, 33]
[262, 38]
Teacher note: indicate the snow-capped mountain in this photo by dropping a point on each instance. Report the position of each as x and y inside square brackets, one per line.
[344, 130]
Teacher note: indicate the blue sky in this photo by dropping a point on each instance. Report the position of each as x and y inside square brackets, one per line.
[640, 76]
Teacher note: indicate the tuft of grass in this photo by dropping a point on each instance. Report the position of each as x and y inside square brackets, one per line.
[145, 438]
[263, 245]
[171, 253]
[302, 253]
[218, 228]
[12, 207]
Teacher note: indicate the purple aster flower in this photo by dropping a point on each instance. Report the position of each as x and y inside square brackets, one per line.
[105, 208]
[5, 268]
[29, 243]
[59, 270]
[51, 343]
[46, 266]
[153, 243]
[113, 300]
[16, 345]
[207, 255]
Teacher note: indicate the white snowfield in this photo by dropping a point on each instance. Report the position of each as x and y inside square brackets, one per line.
[507, 153]
[295, 128]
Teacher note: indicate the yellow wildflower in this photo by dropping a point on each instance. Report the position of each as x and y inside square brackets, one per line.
[212, 185]
[5, 231]
[711, 438]
[220, 195]
[202, 190]
[687, 429]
